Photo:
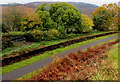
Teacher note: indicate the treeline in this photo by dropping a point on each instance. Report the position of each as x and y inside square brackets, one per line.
[56, 20]
[63, 17]
[106, 17]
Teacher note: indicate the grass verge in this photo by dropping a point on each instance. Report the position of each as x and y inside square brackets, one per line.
[109, 67]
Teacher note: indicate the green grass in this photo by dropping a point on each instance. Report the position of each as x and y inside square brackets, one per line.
[66, 48]
[28, 76]
[18, 65]
[30, 47]
[101, 43]
[35, 45]
[109, 68]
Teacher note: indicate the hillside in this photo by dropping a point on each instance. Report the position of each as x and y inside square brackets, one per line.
[83, 7]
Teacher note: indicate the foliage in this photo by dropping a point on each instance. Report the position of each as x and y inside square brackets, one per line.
[51, 34]
[11, 17]
[105, 17]
[62, 16]
[35, 35]
[31, 22]
[13, 34]
[6, 43]
[6, 38]
[119, 19]
[87, 23]
[48, 23]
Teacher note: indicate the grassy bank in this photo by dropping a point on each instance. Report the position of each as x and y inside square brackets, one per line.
[109, 67]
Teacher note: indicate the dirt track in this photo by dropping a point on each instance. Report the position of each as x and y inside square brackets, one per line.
[37, 65]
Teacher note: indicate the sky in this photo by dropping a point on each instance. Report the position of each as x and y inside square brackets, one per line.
[97, 2]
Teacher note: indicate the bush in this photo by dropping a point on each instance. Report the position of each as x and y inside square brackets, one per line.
[35, 35]
[72, 35]
[6, 42]
[51, 34]
[14, 34]
[95, 31]
[6, 38]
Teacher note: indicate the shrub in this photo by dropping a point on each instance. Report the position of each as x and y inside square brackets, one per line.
[72, 35]
[7, 37]
[35, 35]
[14, 34]
[94, 31]
[51, 34]
[6, 42]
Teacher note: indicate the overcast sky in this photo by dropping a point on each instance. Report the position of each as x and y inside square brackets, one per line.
[97, 2]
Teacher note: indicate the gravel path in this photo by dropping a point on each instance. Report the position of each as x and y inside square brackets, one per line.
[37, 65]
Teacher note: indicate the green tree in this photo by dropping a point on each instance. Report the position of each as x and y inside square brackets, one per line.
[62, 16]
[48, 23]
[103, 21]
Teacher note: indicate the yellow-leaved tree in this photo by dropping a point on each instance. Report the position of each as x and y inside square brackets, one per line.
[87, 23]
[106, 17]
[31, 22]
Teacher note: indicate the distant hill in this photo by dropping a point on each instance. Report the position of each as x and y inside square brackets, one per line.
[85, 8]
[10, 4]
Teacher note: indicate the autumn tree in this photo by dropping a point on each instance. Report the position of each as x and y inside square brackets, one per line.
[106, 17]
[87, 23]
[119, 19]
[31, 22]
[11, 17]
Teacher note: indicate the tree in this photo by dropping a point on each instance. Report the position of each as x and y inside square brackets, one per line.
[48, 23]
[119, 19]
[105, 17]
[87, 23]
[103, 21]
[12, 15]
[62, 16]
[31, 22]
